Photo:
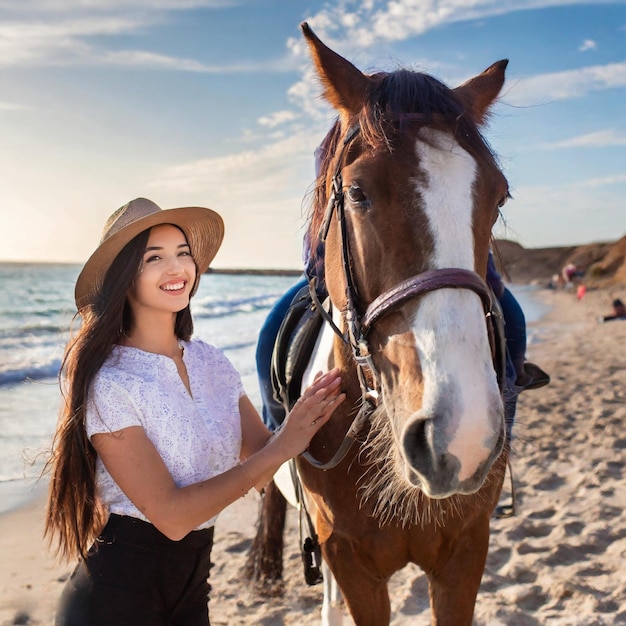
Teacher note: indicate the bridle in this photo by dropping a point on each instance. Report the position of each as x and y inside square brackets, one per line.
[360, 326]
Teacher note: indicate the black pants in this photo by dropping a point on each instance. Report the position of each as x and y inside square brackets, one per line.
[135, 576]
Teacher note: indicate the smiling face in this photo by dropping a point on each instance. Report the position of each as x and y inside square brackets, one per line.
[166, 276]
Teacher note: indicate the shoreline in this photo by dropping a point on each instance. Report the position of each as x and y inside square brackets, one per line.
[18, 493]
[558, 561]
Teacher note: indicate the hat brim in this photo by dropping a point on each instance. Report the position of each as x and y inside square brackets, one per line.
[203, 228]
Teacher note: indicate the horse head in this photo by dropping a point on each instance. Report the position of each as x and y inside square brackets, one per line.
[406, 199]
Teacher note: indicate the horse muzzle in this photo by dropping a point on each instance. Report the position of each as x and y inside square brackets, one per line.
[444, 461]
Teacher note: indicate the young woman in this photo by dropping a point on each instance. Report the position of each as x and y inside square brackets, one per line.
[156, 435]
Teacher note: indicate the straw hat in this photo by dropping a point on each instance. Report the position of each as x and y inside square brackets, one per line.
[203, 228]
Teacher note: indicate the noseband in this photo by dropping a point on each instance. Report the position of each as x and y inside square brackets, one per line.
[359, 327]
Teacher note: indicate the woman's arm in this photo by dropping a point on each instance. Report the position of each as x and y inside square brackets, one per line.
[136, 466]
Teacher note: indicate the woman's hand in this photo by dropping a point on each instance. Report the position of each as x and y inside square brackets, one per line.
[312, 410]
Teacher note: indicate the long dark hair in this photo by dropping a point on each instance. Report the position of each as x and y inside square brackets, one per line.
[74, 516]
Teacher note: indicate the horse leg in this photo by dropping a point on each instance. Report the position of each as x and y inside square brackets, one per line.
[365, 594]
[264, 564]
[333, 606]
[453, 584]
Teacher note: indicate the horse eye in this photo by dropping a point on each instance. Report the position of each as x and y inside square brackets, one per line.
[503, 199]
[356, 194]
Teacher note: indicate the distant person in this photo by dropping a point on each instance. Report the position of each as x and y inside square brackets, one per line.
[156, 435]
[569, 273]
[619, 312]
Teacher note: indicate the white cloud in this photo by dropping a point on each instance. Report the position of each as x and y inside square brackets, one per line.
[306, 95]
[598, 139]
[588, 44]
[59, 33]
[52, 43]
[261, 170]
[74, 6]
[13, 106]
[566, 85]
[604, 181]
[277, 119]
[365, 23]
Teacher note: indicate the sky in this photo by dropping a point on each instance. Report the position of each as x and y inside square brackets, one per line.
[214, 103]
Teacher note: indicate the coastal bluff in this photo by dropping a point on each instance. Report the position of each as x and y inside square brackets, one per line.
[600, 264]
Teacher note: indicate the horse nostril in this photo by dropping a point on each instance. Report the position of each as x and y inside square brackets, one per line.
[418, 448]
[435, 467]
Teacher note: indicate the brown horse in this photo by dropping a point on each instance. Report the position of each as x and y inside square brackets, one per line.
[406, 199]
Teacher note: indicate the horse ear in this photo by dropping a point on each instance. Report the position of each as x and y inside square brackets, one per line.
[479, 93]
[345, 87]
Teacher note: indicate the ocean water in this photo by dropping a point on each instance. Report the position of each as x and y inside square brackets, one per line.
[36, 312]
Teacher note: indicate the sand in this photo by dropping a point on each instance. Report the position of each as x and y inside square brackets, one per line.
[561, 560]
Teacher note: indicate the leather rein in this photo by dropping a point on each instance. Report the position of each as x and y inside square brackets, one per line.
[359, 327]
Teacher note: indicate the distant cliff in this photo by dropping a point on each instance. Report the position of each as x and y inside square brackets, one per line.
[602, 264]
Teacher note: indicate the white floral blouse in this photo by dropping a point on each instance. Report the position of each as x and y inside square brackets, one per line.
[197, 436]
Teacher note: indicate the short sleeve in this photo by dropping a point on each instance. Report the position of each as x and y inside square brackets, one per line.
[109, 408]
[232, 376]
[219, 372]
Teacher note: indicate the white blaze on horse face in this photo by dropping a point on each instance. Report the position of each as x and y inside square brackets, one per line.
[460, 387]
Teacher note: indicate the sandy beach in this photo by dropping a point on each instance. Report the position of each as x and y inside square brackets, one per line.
[559, 561]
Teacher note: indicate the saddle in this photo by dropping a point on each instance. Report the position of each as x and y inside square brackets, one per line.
[292, 350]
[293, 347]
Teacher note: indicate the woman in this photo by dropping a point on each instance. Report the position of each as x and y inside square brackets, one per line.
[156, 435]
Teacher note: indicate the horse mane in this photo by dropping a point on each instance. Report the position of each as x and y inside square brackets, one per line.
[397, 101]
